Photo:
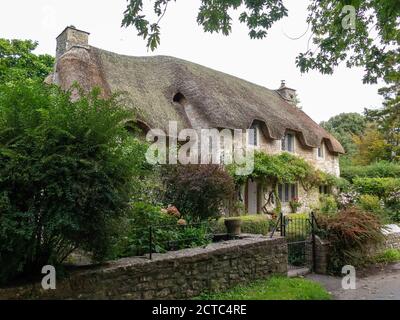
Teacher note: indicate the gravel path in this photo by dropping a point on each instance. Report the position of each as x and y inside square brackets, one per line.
[383, 284]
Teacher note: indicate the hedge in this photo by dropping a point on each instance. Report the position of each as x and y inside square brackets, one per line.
[380, 169]
[255, 224]
[380, 187]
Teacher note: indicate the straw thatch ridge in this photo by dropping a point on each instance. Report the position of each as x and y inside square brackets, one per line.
[217, 100]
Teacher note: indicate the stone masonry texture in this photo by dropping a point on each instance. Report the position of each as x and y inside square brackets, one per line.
[174, 275]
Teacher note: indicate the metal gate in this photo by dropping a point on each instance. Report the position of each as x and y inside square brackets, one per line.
[299, 231]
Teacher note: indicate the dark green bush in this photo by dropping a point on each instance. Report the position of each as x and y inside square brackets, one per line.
[66, 171]
[168, 232]
[353, 234]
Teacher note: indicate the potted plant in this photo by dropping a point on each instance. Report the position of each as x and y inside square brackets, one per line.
[295, 204]
[233, 225]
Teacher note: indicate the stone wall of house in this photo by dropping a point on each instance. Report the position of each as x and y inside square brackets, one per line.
[329, 164]
[308, 198]
[173, 275]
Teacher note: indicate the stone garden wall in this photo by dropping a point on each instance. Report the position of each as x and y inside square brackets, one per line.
[173, 275]
[391, 232]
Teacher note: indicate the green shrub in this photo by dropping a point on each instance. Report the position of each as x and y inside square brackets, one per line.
[388, 256]
[352, 234]
[66, 171]
[254, 224]
[372, 204]
[328, 204]
[380, 187]
[167, 232]
[382, 169]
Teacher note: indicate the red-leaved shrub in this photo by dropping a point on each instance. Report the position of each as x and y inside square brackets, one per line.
[199, 191]
[353, 235]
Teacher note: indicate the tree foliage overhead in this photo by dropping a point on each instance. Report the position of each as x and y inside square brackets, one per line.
[213, 16]
[373, 43]
[18, 62]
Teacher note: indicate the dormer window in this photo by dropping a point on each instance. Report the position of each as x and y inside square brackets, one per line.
[252, 136]
[287, 142]
[179, 98]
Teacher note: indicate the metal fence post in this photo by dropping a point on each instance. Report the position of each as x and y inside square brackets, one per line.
[314, 252]
[151, 242]
[282, 224]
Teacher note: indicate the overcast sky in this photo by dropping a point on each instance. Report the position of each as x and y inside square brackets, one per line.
[265, 62]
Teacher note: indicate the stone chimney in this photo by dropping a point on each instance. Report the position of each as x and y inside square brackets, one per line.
[287, 93]
[71, 37]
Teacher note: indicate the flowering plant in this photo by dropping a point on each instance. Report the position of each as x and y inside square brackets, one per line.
[347, 199]
[295, 204]
[393, 197]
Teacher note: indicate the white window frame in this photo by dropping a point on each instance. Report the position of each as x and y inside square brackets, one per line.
[256, 136]
[285, 139]
[322, 148]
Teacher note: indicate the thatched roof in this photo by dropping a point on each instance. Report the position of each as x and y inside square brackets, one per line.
[219, 99]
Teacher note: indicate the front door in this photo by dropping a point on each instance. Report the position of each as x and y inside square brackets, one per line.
[252, 197]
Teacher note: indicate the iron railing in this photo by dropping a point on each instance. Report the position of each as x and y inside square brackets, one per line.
[160, 238]
[299, 233]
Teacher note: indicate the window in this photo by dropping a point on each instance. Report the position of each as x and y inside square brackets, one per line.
[288, 142]
[287, 192]
[324, 190]
[321, 151]
[252, 135]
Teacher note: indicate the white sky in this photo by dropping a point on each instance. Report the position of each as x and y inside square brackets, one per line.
[264, 62]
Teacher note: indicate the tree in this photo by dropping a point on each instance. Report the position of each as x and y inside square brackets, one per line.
[67, 170]
[344, 126]
[18, 62]
[359, 33]
[388, 119]
[371, 146]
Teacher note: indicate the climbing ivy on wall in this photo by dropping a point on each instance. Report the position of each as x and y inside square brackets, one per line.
[285, 168]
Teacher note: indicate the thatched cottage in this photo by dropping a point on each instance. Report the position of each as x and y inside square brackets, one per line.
[163, 89]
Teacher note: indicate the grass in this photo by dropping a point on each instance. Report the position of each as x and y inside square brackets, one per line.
[388, 256]
[273, 288]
